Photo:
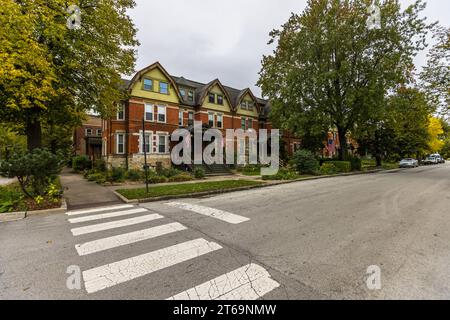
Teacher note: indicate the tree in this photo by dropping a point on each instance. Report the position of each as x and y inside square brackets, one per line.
[401, 130]
[328, 65]
[436, 75]
[68, 71]
[435, 132]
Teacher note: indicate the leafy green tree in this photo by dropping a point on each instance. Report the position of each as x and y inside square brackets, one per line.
[54, 74]
[10, 142]
[329, 66]
[436, 75]
[401, 130]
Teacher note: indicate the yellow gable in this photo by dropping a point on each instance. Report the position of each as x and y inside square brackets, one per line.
[253, 113]
[156, 76]
[214, 106]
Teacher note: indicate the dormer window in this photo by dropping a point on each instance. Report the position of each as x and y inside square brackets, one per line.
[163, 87]
[191, 96]
[148, 84]
[220, 99]
[244, 105]
[183, 93]
[212, 98]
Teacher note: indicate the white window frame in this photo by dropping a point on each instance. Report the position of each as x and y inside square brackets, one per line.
[117, 142]
[160, 107]
[98, 132]
[190, 96]
[152, 109]
[166, 83]
[166, 147]
[120, 109]
[219, 115]
[86, 132]
[150, 142]
[213, 119]
[180, 118]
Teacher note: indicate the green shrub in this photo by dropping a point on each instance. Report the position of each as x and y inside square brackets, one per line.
[117, 174]
[341, 166]
[181, 177]
[80, 163]
[157, 179]
[34, 170]
[305, 162]
[328, 169]
[97, 177]
[100, 165]
[199, 173]
[134, 175]
[283, 174]
[356, 164]
[169, 172]
[10, 197]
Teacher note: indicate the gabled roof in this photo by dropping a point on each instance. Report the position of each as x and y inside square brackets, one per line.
[139, 74]
[233, 95]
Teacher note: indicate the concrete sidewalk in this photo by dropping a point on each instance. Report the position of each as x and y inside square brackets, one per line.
[6, 181]
[80, 193]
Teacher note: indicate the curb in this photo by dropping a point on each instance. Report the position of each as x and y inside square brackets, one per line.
[263, 185]
[15, 216]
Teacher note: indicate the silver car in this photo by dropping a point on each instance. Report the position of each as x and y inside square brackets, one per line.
[409, 163]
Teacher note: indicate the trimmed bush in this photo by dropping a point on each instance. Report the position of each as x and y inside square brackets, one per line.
[356, 164]
[100, 165]
[199, 173]
[305, 162]
[134, 175]
[117, 175]
[169, 172]
[283, 174]
[181, 177]
[81, 163]
[157, 179]
[341, 166]
[97, 177]
[328, 169]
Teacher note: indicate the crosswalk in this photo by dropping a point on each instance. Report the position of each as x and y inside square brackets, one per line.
[248, 282]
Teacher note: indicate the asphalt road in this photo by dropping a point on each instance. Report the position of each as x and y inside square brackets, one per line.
[312, 240]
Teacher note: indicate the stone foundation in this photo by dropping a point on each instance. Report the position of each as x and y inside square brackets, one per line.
[136, 161]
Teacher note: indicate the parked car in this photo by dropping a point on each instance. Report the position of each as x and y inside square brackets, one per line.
[438, 157]
[430, 160]
[409, 163]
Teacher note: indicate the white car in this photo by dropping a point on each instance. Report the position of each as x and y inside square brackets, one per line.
[431, 160]
[409, 163]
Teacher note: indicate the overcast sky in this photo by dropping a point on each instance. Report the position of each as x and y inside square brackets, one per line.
[226, 39]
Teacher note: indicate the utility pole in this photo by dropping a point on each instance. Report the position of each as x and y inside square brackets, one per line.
[145, 153]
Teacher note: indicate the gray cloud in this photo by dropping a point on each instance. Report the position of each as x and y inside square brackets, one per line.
[207, 39]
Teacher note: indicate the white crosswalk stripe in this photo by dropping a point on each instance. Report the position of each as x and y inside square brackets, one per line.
[114, 224]
[127, 238]
[107, 215]
[102, 277]
[95, 210]
[249, 282]
[210, 212]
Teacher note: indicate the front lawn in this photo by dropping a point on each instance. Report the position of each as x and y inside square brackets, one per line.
[186, 188]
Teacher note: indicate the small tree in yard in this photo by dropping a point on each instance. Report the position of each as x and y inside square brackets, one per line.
[305, 162]
[34, 170]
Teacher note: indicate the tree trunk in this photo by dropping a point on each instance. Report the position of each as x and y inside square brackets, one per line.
[379, 160]
[343, 150]
[33, 132]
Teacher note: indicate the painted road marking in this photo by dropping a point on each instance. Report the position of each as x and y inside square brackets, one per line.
[249, 282]
[109, 275]
[77, 212]
[114, 224]
[127, 238]
[107, 215]
[210, 212]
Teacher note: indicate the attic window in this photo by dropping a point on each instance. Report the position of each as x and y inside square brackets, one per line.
[163, 87]
[148, 84]
[191, 96]
[212, 98]
[220, 99]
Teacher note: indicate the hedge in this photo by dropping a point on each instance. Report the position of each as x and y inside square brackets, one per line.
[341, 166]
